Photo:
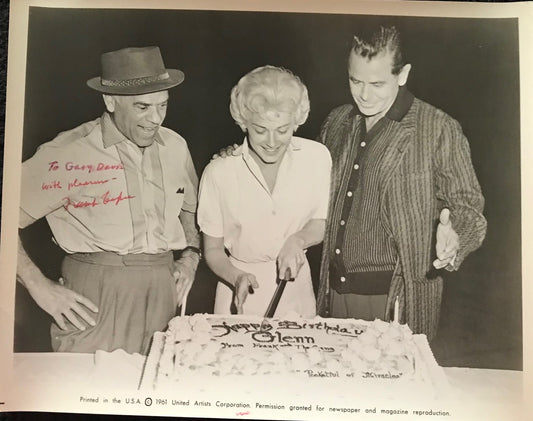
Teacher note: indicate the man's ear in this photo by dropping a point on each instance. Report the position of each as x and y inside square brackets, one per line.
[109, 101]
[404, 74]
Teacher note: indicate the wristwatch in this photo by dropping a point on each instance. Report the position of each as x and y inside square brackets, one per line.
[194, 250]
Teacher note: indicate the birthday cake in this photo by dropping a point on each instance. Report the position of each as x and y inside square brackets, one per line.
[210, 351]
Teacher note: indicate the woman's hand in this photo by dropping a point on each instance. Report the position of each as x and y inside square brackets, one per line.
[291, 257]
[243, 283]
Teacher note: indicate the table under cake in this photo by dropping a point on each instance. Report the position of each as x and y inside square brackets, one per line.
[489, 393]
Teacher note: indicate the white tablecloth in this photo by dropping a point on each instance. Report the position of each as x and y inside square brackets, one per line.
[122, 370]
[488, 394]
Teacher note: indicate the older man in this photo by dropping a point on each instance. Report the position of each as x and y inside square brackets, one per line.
[400, 166]
[119, 194]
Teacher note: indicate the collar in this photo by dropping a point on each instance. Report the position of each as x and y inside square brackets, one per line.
[111, 135]
[400, 106]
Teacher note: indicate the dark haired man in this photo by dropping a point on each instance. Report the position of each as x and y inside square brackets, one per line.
[119, 194]
[403, 186]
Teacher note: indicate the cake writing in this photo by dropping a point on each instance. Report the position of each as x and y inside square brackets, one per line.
[226, 328]
[227, 345]
[388, 375]
[258, 330]
[321, 373]
[278, 337]
[330, 329]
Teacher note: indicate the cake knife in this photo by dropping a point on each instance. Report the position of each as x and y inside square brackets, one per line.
[271, 309]
[278, 292]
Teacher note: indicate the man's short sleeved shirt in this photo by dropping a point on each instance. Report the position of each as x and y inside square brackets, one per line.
[100, 192]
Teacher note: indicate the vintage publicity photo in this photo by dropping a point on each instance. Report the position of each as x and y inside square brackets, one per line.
[269, 214]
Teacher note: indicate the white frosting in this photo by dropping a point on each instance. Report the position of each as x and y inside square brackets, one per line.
[220, 347]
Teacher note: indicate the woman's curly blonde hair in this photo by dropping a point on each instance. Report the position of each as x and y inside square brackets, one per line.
[269, 88]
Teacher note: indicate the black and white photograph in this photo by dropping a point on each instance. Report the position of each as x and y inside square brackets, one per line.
[278, 211]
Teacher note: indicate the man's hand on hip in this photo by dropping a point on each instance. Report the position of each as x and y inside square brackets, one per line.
[61, 303]
[447, 242]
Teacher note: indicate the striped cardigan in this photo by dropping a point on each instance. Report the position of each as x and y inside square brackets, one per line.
[426, 167]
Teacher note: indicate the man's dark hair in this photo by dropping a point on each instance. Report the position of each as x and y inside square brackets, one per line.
[385, 39]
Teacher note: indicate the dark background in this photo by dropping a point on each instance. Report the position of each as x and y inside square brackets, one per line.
[467, 67]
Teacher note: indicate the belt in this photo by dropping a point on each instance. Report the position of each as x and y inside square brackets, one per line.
[113, 259]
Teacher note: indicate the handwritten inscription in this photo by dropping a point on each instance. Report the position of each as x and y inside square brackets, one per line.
[106, 199]
[79, 181]
[56, 184]
[89, 168]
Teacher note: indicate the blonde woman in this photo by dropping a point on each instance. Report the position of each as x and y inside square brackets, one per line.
[263, 206]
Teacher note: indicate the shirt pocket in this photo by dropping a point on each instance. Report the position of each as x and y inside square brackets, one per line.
[175, 200]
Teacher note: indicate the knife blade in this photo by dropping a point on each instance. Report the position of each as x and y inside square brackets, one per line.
[271, 309]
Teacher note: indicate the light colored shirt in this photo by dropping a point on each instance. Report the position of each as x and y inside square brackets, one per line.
[235, 202]
[100, 192]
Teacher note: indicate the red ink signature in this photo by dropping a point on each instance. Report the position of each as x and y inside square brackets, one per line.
[51, 185]
[80, 203]
[242, 413]
[106, 199]
[78, 183]
[72, 166]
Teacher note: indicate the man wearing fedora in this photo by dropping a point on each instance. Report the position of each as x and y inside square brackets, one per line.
[119, 194]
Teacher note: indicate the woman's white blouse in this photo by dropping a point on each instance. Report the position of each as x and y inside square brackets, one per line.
[236, 204]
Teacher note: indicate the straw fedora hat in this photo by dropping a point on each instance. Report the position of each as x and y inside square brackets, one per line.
[134, 71]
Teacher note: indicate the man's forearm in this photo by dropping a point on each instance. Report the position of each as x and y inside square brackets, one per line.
[28, 274]
[192, 236]
[188, 222]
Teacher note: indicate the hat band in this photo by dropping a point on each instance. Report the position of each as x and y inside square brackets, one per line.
[140, 81]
